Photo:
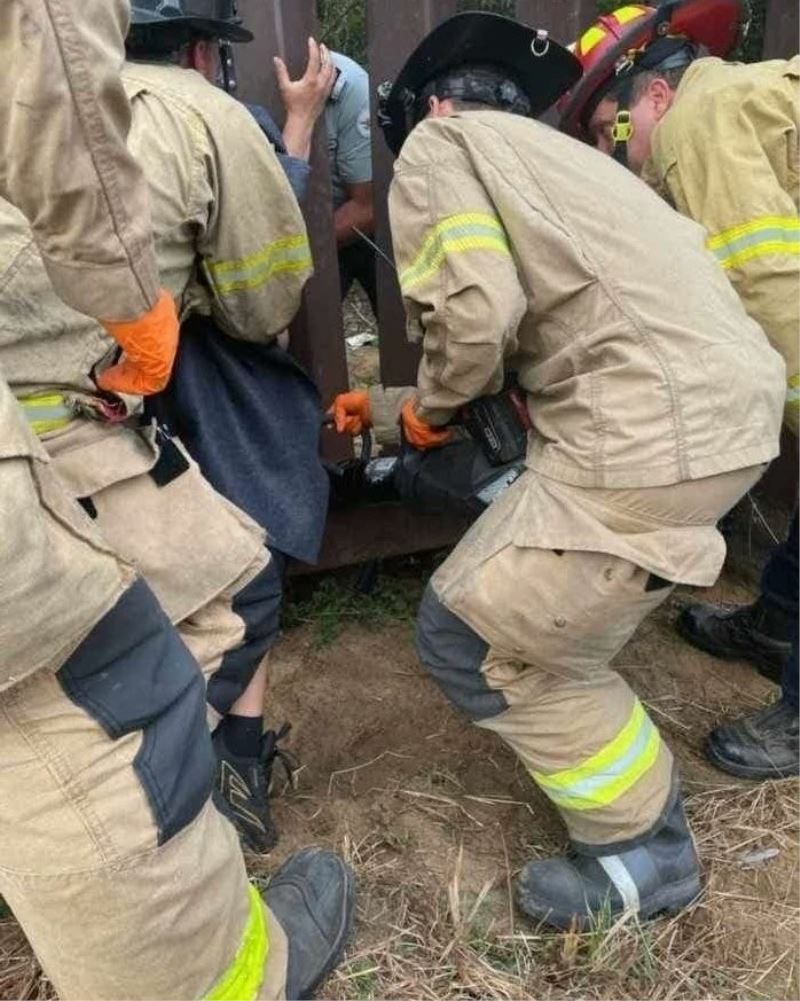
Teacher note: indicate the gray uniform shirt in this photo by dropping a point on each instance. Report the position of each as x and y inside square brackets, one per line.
[347, 118]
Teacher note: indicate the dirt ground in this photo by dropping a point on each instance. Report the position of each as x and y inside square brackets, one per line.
[437, 817]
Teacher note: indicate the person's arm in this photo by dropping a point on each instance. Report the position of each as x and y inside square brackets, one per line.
[297, 170]
[64, 119]
[725, 179]
[354, 158]
[254, 248]
[460, 285]
[304, 99]
[356, 215]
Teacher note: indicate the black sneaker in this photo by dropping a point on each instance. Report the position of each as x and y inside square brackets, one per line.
[763, 745]
[243, 785]
[760, 633]
[313, 898]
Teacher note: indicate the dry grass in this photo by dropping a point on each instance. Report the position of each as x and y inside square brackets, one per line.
[422, 940]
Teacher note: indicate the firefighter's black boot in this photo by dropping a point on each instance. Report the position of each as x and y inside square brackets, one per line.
[763, 745]
[660, 875]
[313, 897]
[242, 788]
[761, 633]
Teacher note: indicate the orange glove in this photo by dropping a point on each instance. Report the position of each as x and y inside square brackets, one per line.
[352, 412]
[418, 432]
[150, 345]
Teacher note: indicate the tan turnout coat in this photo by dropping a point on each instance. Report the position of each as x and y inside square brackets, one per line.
[727, 154]
[520, 248]
[231, 242]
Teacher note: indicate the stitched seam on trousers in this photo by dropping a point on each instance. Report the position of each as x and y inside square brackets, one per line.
[121, 864]
[59, 769]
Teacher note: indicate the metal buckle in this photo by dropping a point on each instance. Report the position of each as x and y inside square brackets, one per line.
[540, 46]
[622, 129]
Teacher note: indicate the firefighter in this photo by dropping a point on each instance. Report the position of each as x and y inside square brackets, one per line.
[258, 445]
[653, 412]
[720, 141]
[125, 878]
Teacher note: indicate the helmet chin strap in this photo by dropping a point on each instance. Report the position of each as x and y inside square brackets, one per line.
[622, 130]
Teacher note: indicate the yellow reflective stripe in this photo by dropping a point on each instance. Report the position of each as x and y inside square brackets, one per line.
[242, 980]
[457, 234]
[606, 775]
[46, 412]
[591, 38]
[746, 241]
[629, 13]
[289, 254]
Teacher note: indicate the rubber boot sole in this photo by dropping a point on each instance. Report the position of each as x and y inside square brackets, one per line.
[667, 900]
[749, 771]
[769, 668]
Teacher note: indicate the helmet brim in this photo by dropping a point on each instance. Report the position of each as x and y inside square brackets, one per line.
[543, 69]
[227, 31]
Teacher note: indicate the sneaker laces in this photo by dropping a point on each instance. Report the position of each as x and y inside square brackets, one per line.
[271, 751]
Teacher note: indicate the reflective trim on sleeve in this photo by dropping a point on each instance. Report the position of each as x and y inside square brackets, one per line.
[457, 234]
[603, 778]
[242, 980]
[46, 412]
[767, 235]
[289, 254]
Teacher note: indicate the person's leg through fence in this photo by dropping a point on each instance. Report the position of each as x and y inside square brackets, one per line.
[522, 642]
[357, 263]
[232, 637]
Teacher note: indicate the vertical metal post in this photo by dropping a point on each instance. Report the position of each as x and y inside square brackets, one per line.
[781, 29]
[394, 31]
[282, 27]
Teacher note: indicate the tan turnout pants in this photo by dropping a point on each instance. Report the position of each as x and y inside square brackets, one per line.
[522, 639]
[125, 878]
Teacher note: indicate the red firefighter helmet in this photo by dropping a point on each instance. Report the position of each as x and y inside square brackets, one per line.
[619, 43]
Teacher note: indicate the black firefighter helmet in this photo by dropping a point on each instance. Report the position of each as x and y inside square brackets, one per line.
[505, 64]
[215, 18]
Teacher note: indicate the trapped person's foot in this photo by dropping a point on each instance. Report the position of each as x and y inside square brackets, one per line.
[313, 898]
[243, 784]
[760, 633]
[762, 745]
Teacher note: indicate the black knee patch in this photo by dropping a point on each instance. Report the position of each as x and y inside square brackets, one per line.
[454, 653]
[259, 606]
[133, 672]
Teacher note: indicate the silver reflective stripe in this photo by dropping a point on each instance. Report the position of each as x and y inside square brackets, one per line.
[622, 880]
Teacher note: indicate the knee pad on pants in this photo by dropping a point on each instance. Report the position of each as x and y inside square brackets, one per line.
[454, 654]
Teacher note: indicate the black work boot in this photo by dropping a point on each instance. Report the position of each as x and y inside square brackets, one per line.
[313, 897]
[660, 875]
[763, 745]
[242, 788]
[761, 633]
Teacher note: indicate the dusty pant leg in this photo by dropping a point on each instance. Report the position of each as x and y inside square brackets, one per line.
[533, 665]
[126, 880]
[233, 634]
